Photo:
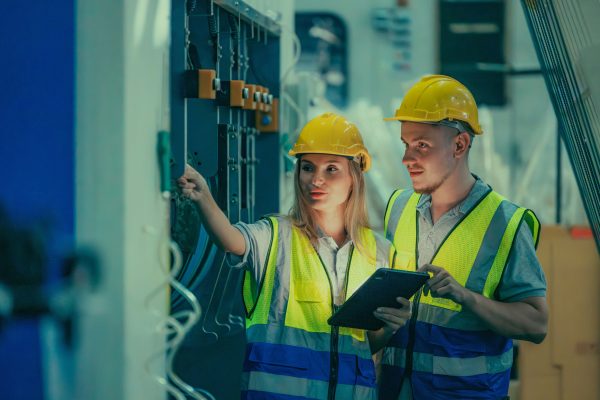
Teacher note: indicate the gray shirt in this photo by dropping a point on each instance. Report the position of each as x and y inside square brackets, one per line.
[335, 258]
[523, 276]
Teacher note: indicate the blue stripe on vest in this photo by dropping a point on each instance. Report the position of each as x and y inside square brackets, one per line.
[300, 362]
[449, 342]
[444, 387]
[484, 386]
[252, 395]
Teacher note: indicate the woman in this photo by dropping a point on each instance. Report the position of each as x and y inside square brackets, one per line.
[300, 267]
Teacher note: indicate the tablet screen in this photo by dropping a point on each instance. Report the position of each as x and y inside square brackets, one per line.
[380, 290]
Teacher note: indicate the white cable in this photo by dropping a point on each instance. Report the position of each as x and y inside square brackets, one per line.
[173, 327]
[191, 318]
[298, 52]
[301, 120]
[165, 327]
[282, 83]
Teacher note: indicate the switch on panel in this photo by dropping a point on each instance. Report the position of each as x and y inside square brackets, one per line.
[250, 101]
[268, 121]
[201, 84]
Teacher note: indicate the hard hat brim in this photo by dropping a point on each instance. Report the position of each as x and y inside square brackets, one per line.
[476, 132]
[365, 157]
[410, 119]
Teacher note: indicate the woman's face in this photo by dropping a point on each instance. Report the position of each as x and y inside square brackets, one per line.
[325, 181]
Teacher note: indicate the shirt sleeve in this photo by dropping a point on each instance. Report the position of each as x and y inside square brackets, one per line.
[258, 239]
[523, 275]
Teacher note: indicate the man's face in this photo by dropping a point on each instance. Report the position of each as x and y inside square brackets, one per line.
[429, 155]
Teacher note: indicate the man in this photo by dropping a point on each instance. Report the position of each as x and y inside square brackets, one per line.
[487, 286]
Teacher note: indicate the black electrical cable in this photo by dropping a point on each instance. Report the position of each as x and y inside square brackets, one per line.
[235, 29]
[212, 26]
[191, 6]
[235, 36]
[259, 78]
[194, 57]
[177, 298]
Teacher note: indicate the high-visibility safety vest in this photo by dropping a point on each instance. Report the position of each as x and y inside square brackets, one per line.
[292, 352]
[445, 352]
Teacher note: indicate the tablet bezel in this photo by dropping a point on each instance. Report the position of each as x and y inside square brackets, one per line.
[380, 290]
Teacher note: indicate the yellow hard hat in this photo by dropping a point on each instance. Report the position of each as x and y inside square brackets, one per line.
[437, 98]
[332, 134]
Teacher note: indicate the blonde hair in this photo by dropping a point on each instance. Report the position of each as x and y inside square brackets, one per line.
[356, 217]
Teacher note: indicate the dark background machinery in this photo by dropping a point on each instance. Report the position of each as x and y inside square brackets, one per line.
[225, 73]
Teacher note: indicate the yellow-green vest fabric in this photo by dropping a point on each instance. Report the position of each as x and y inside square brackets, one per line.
[291, 350]
[451, 352]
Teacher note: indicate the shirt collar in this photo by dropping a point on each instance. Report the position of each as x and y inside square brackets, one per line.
[325, 238]
[479, 189]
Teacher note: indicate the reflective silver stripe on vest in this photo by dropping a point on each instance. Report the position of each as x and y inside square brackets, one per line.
[287, 385]
[464, 320]
[292, 386]
[277, 334]
[487, 252]
[451, 366]
[356, 392]
[281, 289]
[395, 213]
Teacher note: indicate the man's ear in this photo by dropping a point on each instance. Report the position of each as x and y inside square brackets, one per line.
[462, 142]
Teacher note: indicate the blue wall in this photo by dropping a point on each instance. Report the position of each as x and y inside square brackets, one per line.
[36, 156]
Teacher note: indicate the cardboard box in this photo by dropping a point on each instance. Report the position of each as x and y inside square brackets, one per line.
[567, 364]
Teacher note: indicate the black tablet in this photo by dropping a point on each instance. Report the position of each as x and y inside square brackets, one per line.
[380, 290]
